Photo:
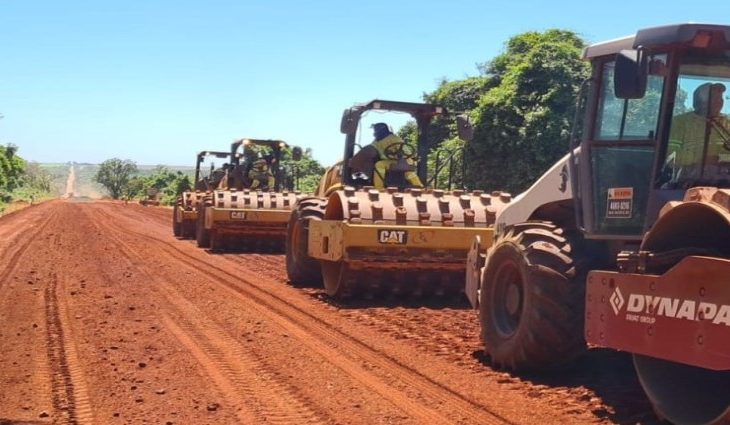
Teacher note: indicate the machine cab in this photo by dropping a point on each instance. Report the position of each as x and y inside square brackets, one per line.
[255, 164]
[656, 123]
[407, 163]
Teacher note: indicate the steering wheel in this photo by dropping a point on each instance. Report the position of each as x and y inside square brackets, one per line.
[400, 150]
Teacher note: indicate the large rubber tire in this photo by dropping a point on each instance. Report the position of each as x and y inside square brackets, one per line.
[532, 299]
[188, 229]
[685, 394]
[339, 281]
[202, 235]
[176, 226]
[302, 269]
[215, 240]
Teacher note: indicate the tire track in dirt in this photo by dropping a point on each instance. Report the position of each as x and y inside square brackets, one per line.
[241, 375]
[161, 215]
[244, 378]
[17, 250]
[213, 368]
[424, 336]
[272, 265]
[366, 313]
[350, 352]
[9, 232]
[448, 330]
[69, 395]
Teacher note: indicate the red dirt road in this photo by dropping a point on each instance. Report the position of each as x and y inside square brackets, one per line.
[108, 319]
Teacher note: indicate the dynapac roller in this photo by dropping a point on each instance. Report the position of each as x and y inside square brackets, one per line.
[625, 243]
[400, 239]
[250, 209]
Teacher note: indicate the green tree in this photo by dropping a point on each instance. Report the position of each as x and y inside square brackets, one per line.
[307, 170]
[37, 178]
[182, 183]
[12, 168]
[522, 124]
[166, 183]
[135, 187]
[445, 148]
[114, 174]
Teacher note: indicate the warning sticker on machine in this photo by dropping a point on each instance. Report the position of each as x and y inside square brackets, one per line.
[620, 202]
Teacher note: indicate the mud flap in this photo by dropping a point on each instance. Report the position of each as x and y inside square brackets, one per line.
[474, 264]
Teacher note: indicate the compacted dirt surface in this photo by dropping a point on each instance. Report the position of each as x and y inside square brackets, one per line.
[106, 318]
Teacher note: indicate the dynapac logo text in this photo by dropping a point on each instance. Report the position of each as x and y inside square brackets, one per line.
[675, 308]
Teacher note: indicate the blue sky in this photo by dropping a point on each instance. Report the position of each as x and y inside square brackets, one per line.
[158, 81]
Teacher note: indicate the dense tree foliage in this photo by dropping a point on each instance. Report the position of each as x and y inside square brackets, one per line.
[522, 123]
[19, 179]
[306, 172]
[521, 107]
[445, 160]
[12, 168]
[162, 183]
[114, 174]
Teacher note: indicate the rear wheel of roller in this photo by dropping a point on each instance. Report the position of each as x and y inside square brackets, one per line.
[302, 269]
[216, 241]
[339, 280]
[188, 229]
[202, 235]
[685, 394]
[176, 226]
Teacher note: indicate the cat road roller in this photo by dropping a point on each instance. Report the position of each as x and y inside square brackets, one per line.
[185, 210]
[152, 198]
[625, 243]
[249, 210]
[361, 241]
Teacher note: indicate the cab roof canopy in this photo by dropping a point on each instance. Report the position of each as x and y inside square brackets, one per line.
[689, 35]
[418, 110]
[217, 154]
[270, 143]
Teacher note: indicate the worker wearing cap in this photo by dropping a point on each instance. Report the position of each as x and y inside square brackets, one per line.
[261, 172]
[704, 126]
[384, 139]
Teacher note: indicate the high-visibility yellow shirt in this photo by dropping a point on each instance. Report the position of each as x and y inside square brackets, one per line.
[687, 136]
[384, 143]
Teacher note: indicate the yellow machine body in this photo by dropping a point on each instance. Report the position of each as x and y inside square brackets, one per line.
[417, 236]
[382, 247]
[245, 213]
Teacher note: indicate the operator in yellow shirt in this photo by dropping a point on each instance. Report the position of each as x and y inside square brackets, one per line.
[701, 138]
[387, 144]
[261, 172]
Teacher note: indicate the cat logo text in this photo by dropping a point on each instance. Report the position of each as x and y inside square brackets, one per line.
[392, 237]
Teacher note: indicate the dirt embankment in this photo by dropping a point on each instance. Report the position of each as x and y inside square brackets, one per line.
[109, 319]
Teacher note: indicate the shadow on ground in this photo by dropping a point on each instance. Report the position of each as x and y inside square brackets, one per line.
[607, 373]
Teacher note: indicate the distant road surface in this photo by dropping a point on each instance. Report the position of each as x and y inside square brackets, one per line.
[70, 183]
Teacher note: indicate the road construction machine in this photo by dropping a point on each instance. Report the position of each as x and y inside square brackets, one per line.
[151, 198]
[625, 243]
[360, 240]
[185, 210]
[249, 210]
